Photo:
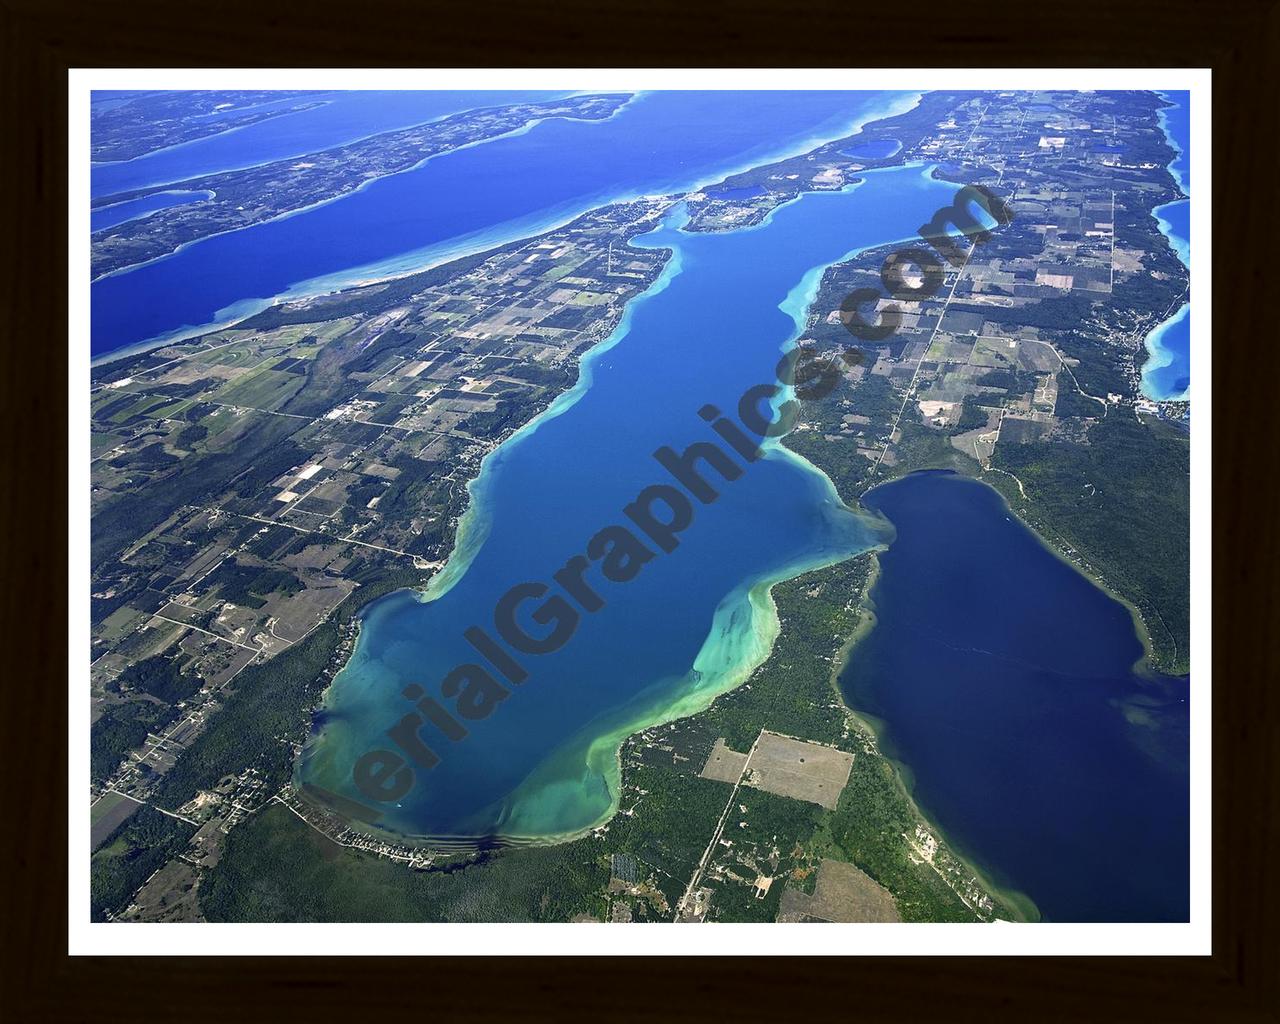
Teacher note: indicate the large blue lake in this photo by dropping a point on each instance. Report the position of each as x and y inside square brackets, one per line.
[342, 117]
[466, 201]
[694, 621]
[1004, 680]
[1167, 371]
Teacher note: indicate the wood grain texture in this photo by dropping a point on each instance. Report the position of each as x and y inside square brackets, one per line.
[1238, 39]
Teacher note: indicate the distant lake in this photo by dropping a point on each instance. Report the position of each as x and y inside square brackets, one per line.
[873, 149]
[469, 200]
[119, 213]
[746, 192]
[342, 117]
[1003, 679]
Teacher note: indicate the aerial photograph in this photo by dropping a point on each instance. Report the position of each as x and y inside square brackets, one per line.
[637, 506]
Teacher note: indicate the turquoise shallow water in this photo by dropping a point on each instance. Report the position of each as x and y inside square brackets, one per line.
[1167, 373]
[693, 621]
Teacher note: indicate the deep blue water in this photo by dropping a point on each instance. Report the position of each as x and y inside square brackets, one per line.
[712, 328]
[470, 199]
[1167, 373]
[344, 117]
[1003, 679]
[118, 213]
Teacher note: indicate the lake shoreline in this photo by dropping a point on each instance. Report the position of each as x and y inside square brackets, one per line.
[1022, 905]
[1159, 355]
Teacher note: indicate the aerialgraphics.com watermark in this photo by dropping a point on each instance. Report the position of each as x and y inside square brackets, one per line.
[654, 520]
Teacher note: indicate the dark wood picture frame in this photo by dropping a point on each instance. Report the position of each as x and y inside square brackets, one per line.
[1238, 39]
